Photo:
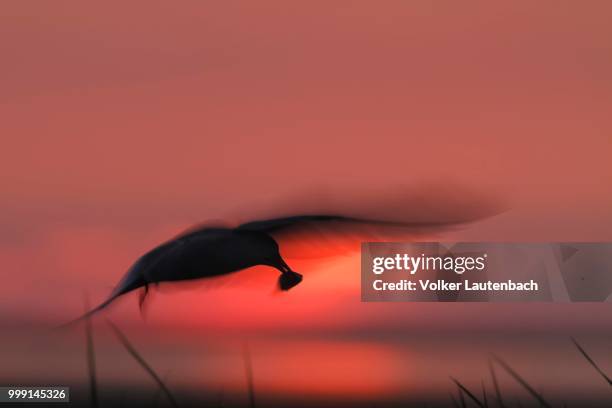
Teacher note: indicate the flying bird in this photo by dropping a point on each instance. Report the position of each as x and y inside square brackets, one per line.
[213, 251]
[209, 251]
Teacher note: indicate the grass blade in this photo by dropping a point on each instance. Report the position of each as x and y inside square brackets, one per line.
[132, 351]
[158, 392]
[463, 389]
[455, 403]
[484, 395]
[522, 381]
[496, 385]
[248, 369]
[91, 357]
[461, 398]
[591, 361]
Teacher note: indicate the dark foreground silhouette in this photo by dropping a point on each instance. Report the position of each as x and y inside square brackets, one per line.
[213, 251]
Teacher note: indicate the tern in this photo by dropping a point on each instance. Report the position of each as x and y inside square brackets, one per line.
[213, 251]
[208, 251]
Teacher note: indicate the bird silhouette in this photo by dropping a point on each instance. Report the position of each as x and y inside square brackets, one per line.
[213, 251]
[209, 251]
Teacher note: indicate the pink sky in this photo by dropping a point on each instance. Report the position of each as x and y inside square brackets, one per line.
[124, 124]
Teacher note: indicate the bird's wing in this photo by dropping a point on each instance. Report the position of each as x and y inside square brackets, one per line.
[389, 214]
[277, 224]
[313, 236]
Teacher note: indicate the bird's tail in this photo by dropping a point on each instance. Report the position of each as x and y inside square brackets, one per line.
[123, 288]
[90, 313]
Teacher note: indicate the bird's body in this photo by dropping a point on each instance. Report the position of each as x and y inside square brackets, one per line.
[207, 253]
